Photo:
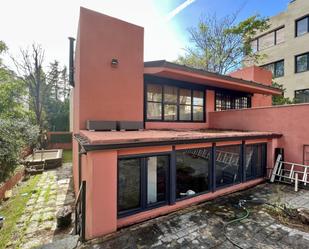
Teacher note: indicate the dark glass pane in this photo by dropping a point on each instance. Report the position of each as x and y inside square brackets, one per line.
[154, 110]
[227, 165]
[198, 114]
[128, 184]
[185, 112]
[185, 96]
[301, 63]
[279, 69]
[198, 98]
[302, 96]
[270, 67]
[157, 168]
[170, 94]
[192, 167]
[154, 93]
[170, 112]
[302, 26]
[255, 165]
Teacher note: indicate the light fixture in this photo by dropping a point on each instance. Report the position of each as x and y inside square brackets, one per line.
[114, 62]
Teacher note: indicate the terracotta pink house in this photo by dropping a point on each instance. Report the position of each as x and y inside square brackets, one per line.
[154, 137]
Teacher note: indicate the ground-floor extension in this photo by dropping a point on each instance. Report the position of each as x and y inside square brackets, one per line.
[132, 176]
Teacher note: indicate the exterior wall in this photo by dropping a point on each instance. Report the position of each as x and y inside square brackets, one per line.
[209, 107]
[289, 48]
[289, 120]
[259, 75]
[100, 172]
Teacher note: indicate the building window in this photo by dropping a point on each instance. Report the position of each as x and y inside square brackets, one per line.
[302, 63]
[302, 96]
[227, 170]
[255, 161]
[302, 26]
[192, 172]
[226, 101]
[142, 183]
[276, 68]
[268, 40]
[170, 103]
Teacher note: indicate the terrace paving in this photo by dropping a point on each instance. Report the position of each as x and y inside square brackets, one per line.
[202, 226]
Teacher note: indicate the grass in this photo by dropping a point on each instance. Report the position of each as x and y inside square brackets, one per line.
[13, 209]
[67, 156]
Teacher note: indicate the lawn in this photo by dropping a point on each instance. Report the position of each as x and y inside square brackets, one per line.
[67, 156]
[13, 209]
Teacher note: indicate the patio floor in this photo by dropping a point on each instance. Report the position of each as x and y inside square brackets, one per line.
[202, 226]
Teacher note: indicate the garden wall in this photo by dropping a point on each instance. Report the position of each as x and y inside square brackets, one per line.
[10, 183]
[292, 121]
[59, 140]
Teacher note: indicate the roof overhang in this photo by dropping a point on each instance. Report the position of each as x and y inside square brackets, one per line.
[180, 72]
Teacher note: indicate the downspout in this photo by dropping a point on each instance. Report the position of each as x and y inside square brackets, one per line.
[71, 62]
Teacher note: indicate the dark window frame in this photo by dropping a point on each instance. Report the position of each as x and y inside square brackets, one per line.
[300, 19]
[295, 62]
[275, 63]
[233, 96]
[163, 103]
[300, 90]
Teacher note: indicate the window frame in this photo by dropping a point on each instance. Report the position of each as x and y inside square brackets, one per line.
[299, 90]
[300, 19]
[233, 96]
[143, 183]
[192, 88]
[295, 62]
[275, 63]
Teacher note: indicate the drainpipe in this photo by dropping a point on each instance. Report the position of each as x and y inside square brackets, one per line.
[71, 62]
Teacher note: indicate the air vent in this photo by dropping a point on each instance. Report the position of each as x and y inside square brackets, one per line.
[93, 125]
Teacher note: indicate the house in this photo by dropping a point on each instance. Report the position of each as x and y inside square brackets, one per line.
[285, 46]
[154, 137]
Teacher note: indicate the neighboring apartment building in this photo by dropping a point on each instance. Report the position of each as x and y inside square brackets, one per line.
[286, 46]
[154, 137]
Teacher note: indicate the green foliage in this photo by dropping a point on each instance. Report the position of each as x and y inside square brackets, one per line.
[15, 135]
[57, 114]
[281, 100]
[220, 45]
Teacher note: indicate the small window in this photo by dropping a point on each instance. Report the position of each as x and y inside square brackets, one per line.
[254, 45]
[302, 63]
[267, 41]
[225, 101]
[276, 68]
[302, 26]
[279, 36]
[302, 96]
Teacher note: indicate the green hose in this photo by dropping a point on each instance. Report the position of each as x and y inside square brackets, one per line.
[234, 221]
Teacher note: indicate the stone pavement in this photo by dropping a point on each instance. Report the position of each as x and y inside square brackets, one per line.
[202, 226]
[38, 224]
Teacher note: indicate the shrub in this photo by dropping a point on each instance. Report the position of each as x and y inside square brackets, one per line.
[15, 135]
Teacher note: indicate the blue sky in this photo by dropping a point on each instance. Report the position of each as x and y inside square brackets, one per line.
[50, 22]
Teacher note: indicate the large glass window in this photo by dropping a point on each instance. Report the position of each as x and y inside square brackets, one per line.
[302, 26]
[227, 165]
[255, 161]
[169, 103]
[276, 68]
[142, 183]
[192, 172]
[302, 96]
[268, 40]
[279, 36]
[302, 63]
[225, 101]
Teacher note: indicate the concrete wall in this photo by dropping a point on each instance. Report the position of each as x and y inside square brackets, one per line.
[289, 48]
[291, 120]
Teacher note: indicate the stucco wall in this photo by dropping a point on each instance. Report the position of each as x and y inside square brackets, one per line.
[291, 120]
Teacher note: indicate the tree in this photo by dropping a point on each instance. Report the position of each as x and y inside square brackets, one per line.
[219, 45]
[281, 100]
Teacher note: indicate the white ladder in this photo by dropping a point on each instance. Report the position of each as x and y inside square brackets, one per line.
[287, 172]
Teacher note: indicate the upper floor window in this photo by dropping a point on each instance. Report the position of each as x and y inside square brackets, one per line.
[302, 63]
[276, 68]
[268, 40]
[170, 103]
[302, 26]
[226, 101]
[302, 96]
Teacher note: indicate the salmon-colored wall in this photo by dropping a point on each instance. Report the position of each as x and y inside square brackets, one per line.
[210, 107]
[259, 75]
[290, 120]
[108, 92]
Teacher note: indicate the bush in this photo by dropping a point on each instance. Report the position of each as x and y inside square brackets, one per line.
[15, 135]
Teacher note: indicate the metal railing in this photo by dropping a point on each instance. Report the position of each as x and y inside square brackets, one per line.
[80, 212]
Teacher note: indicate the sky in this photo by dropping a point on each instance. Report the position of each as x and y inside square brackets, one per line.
[50, 22]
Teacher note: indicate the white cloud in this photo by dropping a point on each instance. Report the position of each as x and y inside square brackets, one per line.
[49, 23]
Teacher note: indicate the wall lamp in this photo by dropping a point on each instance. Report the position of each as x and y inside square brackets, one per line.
[114, 62]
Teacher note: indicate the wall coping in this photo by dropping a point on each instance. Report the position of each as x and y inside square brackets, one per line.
[263, 107]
